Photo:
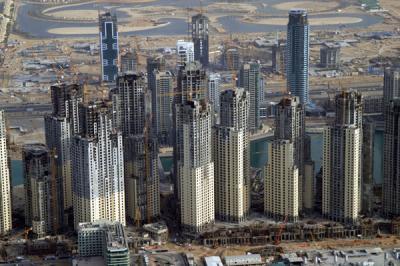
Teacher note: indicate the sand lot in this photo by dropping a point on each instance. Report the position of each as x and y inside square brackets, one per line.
[311, 6]
[95, 30]
[312, 21]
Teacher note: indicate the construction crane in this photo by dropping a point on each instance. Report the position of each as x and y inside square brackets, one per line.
[282, 226]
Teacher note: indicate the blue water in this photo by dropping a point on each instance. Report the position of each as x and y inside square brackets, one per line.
[16, 173]
[37, 27]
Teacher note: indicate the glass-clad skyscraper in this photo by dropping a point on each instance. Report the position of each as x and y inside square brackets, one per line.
[297, 61]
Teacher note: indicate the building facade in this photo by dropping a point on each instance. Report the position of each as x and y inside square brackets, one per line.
[281, 188]
[129, 102]
[142, 179]
[109, 50]
[5, 183]
[231, 158]
[60, 126]
[39, 212]
[297, 54]
[98, 167]
[279, 57]
[250, 79]
[341, 194]
[213, 92]
[200, 38]
[129, 62]
[162, 100]
[196, 169]
[391, 157]
[330, 56]
[185, 52]
[391, 84]
[106, 239]
[290, 125]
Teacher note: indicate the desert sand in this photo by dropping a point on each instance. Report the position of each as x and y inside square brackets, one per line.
[311, 6]
[95, 30]
[312, 21]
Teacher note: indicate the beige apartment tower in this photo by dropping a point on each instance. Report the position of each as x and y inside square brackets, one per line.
[231, 158]
[196, 168]
[5, 185]
[281, 188]
[341, 164]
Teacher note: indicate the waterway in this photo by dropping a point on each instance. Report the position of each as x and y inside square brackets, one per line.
[39, 28]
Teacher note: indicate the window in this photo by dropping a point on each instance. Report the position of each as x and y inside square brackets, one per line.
[105, 62]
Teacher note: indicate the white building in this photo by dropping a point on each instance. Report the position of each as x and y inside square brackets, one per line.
[196, 169]
[185, 52]
[5, 186]
[341, 180]
[281, 187]
[213, 93]
[231, 158]
[98, 167]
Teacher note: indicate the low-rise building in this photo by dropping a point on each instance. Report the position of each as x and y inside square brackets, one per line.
[243, 260]
[158, 232]
[103, 238]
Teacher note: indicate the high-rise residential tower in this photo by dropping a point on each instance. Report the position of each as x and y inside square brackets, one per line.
[162, 97]
[290, 125]
[142, 179]
[196, 168]
[391, 159]
[231, 158]
[129, 100]
[109, 50]
[98, 166]
[129, 62]
[60, 126]
[191, 85]
[200, 38]
[281, 188]
[185, 52]
[297, 54]
[391, 84]
[5, 183]
[341, 192]
[39, 210]
[213, 92]
[250, 79]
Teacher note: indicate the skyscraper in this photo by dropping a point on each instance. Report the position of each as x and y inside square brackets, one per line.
[162, 97]
[213, 92]
[39, 210]
[191, 85]
[391, 158]
[60, 126]
[196, 169]
[109, 50]
[279, 57]
[200, 38]
[290, 125]
[129, 62]
[297, 54]
[98, 167]
[341, 194]
[130, 104]
[281, 188]
[185, 52]
[250, 80]
[142, 179]
[231, 158]
[391, 84]
[5, 185]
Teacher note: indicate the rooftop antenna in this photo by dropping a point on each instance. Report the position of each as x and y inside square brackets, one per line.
[201, 7]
